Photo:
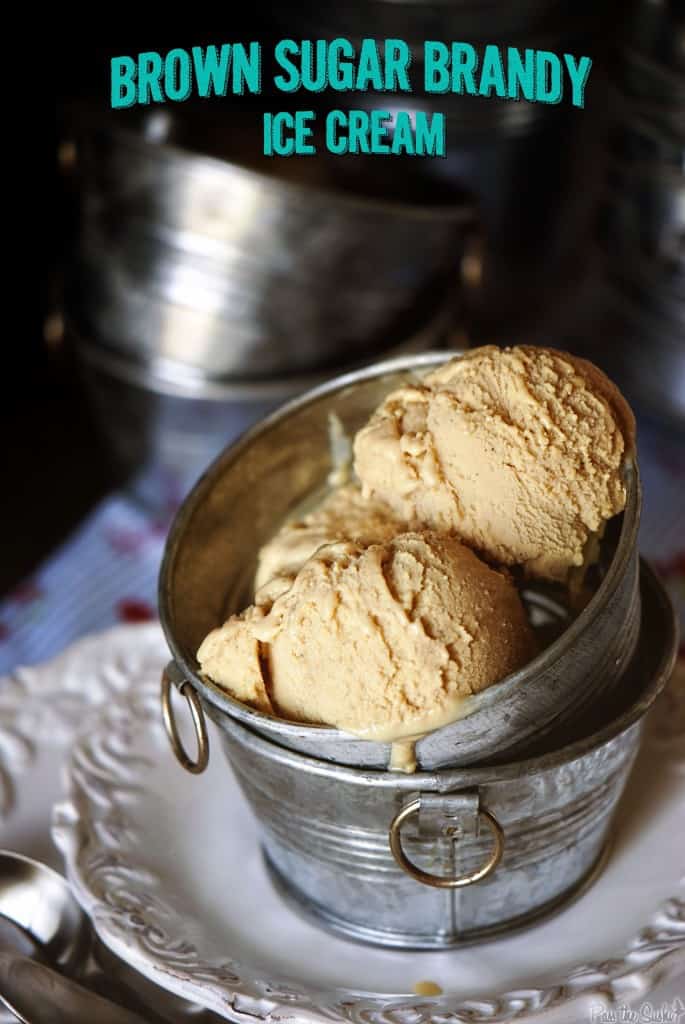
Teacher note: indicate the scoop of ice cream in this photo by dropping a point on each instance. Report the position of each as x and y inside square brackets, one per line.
[520, 451]
[385, 641]
[344, 515]
[232, 657]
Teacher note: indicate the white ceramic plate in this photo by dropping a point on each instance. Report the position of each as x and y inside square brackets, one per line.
[168, 867]
[627, 933]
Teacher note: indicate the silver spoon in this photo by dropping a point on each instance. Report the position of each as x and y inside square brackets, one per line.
[38, 995]
[40, 917]
[36, 899]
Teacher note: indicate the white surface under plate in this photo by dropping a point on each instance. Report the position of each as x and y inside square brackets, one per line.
[168, 867]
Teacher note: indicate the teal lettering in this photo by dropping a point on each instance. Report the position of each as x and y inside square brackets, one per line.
[403, 138]
[335, 143]
[380, 119]
[211, 70]
[521, 75]
[289, 133]
[247, 69]
[341, 73]
[314, 69]
[436, 57]
[369, 73]
[282, 146]
[291, 82]
[430, 134]
[149, 74]
[464, 64]
[267, 134]
[177, 81]
[397, 61]
[492, 73]
[380, 133]
[534, 75]
[578, 73]
[548, 85]
[123, 82]
[357, 131]
[303, 132]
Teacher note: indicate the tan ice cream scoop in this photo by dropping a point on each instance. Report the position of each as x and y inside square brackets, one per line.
[519, 451]
[384, 641]
[344, 515]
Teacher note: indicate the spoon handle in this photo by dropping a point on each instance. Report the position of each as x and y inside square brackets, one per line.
[38, 995]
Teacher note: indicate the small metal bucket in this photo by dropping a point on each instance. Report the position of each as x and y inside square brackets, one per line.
[246, 494]
[456, 856]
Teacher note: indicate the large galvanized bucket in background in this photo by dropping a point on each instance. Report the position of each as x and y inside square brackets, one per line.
[248, 492]
[238, 265]
[450, 857]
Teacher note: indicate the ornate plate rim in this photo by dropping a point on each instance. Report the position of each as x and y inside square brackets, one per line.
[656, 953]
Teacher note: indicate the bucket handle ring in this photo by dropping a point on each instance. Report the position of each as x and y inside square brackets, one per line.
[197, 766]
[442, 881]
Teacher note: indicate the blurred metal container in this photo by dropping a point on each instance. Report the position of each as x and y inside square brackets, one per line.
[264, 274]
[147, 299]
[535, 171]
[657, 29]
[642, 348]
[532, 167]
[628, 316]
[164, 422]
[639, 311]
[647, 132]
[646, 78]
[447, 858]
[646, 213]
[653, 53]
[247, 493]
[414, 21]
[657, 288]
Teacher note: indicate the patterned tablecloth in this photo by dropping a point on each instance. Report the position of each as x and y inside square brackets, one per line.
[107, 571]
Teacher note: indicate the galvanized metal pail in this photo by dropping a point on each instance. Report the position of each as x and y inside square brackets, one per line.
[373, 854]
[242, 265]
[248, 492]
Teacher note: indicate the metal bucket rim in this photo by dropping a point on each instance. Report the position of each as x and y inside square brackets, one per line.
[229, 456]
[639, 60]
[164, 246]
[644, 105]
[660, 319]
[181, 380]
[445, 779]
[653, 171]
[187, 161]
[646, 118]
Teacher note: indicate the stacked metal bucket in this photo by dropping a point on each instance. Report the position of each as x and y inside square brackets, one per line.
[211, 285]
[643, 224]
[510, 812]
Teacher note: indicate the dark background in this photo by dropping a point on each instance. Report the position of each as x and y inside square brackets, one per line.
[56, 465]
